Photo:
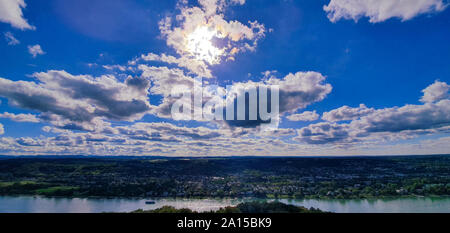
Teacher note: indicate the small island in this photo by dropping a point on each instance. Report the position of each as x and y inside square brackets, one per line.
[243, 208]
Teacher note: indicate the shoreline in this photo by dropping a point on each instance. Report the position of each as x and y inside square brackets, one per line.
[387, 198]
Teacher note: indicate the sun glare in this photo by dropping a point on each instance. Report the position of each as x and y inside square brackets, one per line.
[199, 44]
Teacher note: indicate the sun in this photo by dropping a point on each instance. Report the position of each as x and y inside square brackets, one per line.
[199, 44]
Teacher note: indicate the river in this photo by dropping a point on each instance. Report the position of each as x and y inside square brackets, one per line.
[31, 204]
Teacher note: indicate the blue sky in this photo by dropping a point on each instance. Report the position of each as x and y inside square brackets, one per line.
[361, 77]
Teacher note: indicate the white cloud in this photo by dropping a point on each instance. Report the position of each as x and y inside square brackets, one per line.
[35, 50]
[193, 34]
[197, 67]
[2, 130]
[9, 37]
[408, 117]
[325, 132]
[347, 113]
[82, 110]
[159, 131]
[299, 90]
[20, 117]
[166, 81]
[148, 139]
[296, 91]
[382, 124]
[435, 92]
[11, 12]
[208, 21]
[212, 7]
[387, 124]
[305, 116]
[381, 10]
[115, 67]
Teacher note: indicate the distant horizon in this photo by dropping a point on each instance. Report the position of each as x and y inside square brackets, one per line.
[206, 157]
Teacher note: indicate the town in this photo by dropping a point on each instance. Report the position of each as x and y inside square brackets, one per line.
[318, 177]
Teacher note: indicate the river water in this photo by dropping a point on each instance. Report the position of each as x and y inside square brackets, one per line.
[30, 204]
